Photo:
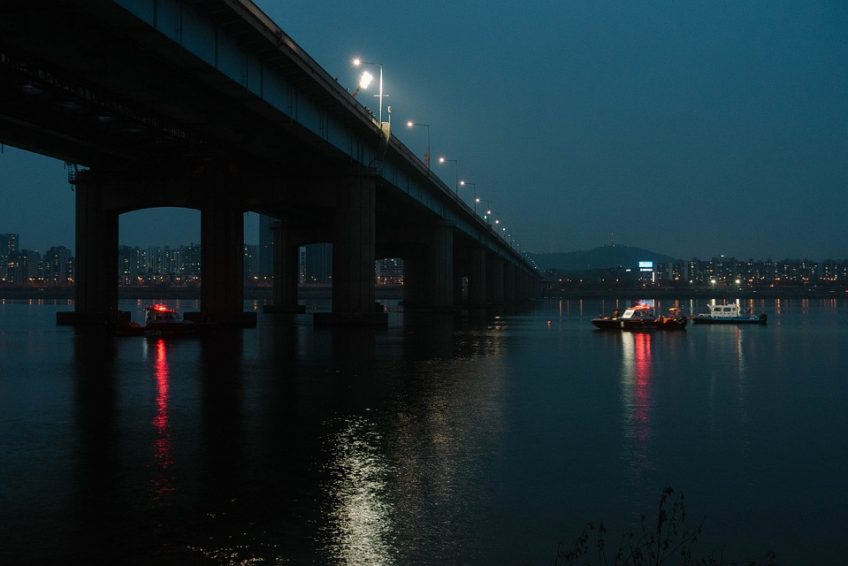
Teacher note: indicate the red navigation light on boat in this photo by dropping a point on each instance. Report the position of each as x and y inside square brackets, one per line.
[160, 308]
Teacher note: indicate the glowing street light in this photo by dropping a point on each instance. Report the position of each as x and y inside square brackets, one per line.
[455, 172]
[469, 184]
[364, 81]
[411, 124]
[357, 62]
[488, 213]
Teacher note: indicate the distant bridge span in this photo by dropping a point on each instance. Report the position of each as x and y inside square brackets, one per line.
[211, 105]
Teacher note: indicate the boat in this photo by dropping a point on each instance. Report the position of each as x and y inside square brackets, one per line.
[159, 320]
[729, 314]
[641, 317]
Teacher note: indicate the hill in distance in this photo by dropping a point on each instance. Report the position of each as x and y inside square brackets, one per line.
[603, 257]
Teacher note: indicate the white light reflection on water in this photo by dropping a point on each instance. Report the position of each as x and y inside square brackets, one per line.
[636, 398]
[359, 518]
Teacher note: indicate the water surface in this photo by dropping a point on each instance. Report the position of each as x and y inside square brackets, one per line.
[490, 438]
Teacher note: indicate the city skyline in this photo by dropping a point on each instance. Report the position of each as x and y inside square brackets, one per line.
[683, 128]
[252, 228]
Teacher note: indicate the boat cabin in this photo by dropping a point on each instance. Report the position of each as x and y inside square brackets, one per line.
[160, 313]
[639, 312]
[724, 311]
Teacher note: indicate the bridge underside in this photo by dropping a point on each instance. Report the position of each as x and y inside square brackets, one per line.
[87, 82]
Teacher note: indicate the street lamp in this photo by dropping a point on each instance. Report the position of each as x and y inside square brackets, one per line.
[357, 62]
[411, 124]
[469, 184]
[488, 209]
[455, 172]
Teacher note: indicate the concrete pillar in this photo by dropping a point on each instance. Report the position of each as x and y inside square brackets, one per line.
[459, 284]
[96, 266]
[286, 271]
[441, 266]
[524, 287]
[354, 254]
[414, 276]
[495, 279]
[221, 248]
[429, 281]
[477, 277]
[509, 282]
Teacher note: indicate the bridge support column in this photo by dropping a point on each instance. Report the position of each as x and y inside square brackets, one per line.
[286, 263]
[495, 278]
[429, 271]
[222, 250]
[96, 266]
[521, 286]
[459, 284]
[354, 255]
[509, 282]
[441, 267]
[414, 275]
[477, 278]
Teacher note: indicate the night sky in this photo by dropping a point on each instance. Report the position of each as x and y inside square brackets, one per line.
[687, 128]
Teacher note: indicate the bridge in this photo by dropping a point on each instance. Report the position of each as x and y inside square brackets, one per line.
[210, 105]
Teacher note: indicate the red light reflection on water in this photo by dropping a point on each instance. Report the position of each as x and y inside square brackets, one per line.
[637, 374]
[642, 383]
[162, 483]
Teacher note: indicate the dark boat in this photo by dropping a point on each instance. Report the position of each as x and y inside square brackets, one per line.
[728, 314]
[159, 320]
[641, 317]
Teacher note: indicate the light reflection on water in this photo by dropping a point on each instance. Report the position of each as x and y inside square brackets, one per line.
[486, 439]
[359, 524]
[162, 482]
[637, 404]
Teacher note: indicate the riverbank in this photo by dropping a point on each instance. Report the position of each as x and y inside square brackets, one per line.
[706, 293]
[396, 292]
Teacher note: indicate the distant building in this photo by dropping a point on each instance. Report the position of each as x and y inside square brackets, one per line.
[389, 271]
[8, 244]
[8, 247]
[22, 267]
[57, 266]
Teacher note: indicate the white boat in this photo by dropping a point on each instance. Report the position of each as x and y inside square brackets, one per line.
[728, 314]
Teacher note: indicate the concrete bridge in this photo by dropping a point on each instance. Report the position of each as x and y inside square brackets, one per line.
[210, 105]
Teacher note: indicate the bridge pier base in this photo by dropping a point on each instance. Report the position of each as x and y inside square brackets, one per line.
[96, 266]
[353, 255]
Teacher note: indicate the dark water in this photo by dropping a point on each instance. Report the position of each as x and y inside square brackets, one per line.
[440, 440]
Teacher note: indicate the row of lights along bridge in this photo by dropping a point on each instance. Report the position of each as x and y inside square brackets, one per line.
[365, 80]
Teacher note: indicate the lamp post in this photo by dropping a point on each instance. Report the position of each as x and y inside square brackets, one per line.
[411, 124]
[455, 172]
[487, 211]
[464, 183]
[357, 62]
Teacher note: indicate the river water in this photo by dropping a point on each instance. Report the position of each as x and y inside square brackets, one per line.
[485, 439]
